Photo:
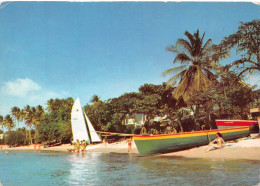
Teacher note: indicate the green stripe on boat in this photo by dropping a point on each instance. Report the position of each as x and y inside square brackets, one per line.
[156, 144]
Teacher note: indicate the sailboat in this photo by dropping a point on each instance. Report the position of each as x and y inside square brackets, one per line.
[82, 128]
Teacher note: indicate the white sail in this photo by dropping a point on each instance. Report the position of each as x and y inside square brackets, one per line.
[93, 135]
[78, 123]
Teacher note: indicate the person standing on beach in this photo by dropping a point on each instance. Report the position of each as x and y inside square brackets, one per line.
[143, 130]
[84, 146]
[129, 140]
[217, 143]
[77, 146]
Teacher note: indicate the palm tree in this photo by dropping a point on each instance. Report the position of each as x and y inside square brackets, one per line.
[37, 116]
[2, 121]
[50, 104]
[95, 99]
[40, 111]
[8, 122]
[16, 113]
[27, 117]
[196, 61]
[32, 117]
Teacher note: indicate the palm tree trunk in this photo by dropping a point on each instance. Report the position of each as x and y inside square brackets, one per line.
[26, 136]
[30, 136]
[196, 114]
[220, 109]
[209, 119]
[179, 122]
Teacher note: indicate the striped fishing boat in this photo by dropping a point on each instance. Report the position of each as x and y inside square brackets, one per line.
[165, 143]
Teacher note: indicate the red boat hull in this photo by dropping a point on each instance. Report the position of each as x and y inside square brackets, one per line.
[236, 123]
[252, 124]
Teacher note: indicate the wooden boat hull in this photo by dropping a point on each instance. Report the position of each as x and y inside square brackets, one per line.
[252, 124]
[165, 143]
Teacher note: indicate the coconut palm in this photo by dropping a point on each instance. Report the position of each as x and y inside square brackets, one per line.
[95, 99]
[50, 104]
[37, 114]
[40, 111]
[8, 122]
[32, 117]
[2, 121]
[196, 61]
[16, 113]
[27, 116]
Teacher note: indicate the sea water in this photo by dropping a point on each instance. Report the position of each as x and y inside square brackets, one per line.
[27, 168]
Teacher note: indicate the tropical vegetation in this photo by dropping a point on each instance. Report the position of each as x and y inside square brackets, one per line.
[195, 67]
[199, 91]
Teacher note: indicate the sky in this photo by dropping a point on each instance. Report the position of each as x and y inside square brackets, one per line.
[80, 49]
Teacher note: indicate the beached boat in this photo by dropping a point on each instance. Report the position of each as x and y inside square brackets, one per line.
[82, 128]
[165, 143]
[252, 124]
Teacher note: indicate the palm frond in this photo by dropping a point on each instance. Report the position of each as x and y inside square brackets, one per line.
[202, 35]
[189, 36]
[183, 58]
[174, 79]
[172, 49]
[208, 73]
[184, 44]
[201, 59]
[173, 70]
[206, 45]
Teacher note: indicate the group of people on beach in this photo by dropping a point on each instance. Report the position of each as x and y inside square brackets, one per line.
[80, 146]
[217, 143]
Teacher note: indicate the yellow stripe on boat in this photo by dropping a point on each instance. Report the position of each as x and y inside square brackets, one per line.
[164, 143]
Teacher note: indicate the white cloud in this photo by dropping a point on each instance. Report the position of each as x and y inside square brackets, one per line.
[20, 87]
[21, 92]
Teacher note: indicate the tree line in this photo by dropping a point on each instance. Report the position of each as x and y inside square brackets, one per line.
[199, 91]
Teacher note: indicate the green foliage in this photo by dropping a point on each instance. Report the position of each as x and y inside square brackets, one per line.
[95, 99]
[208, 95]
[151, 100]
[158, 99]
[55, 126]
[16, 138]
[1, 121]
[60, 105]
[196, 63]
[54, 129]
[182, 115]
[246, 43]
[228, 98]
[99, 114]
[17, 114]
[8, 122]
[153, 131]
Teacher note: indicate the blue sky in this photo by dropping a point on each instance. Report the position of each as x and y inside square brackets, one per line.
[74, 49]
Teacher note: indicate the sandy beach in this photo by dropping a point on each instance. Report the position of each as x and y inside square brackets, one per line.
[246, 148]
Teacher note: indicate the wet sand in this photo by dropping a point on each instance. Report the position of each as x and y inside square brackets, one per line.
[243, 149]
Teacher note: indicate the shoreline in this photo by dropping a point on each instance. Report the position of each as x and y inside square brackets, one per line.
[246, 149]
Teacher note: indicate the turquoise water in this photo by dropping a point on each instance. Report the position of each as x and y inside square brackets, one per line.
[50, 168]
